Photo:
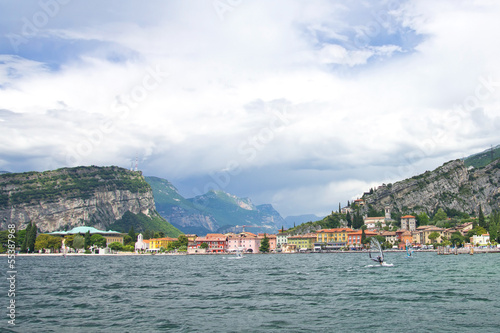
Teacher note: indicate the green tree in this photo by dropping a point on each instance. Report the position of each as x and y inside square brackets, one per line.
[24, 245]
[381, 239]
[440, 215]
[45, 241]
[132, 234]
[422, 219]
[348, 219]
[116, 246]
[456, 238]
[98, 240]
[264, 245]
[364, 240]
[480, 219]
[88, 241]
[183, 240]
[55, 243]
[42, 242]
[127, 240]
[78, 242]
[4, 238]
[68, 240]
[203, 246]
[433, 236]
[31, 238]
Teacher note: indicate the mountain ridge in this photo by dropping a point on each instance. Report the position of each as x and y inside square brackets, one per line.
[452, 186]
[214, 211]
[70, 197]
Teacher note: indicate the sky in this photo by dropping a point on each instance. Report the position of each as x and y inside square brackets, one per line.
[299, 104]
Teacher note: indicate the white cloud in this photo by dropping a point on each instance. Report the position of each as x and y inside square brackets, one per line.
[368, 105]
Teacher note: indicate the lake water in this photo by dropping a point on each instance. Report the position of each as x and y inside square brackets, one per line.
[260, 293]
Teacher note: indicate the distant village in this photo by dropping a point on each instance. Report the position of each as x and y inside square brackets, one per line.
[324, 240]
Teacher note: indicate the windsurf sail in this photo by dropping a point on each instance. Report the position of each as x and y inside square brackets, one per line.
[409, 249]
[375, 252]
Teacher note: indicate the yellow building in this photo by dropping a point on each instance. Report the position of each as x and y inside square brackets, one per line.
[302, 242]
[421, 235]
[335, 235]
[156, 243]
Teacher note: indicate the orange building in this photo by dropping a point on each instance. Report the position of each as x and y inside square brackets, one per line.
[272, 241]
[354, 238]
[404, 236]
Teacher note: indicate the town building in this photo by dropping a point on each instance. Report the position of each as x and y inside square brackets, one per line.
[281, 238]
[403, 237]
[303, 242]
[421, 234]
[332, 235]
[354, 238]
[141, 244]
[217, 243]
[244, 241]
[155, 244]
[408, 222]
[480, 240]
[110, 235]
[390, 237]
[272, 241]
[374, 223]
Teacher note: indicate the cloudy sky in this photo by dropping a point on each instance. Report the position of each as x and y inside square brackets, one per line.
[302, 104]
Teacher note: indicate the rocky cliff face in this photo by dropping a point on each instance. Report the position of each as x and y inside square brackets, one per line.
[452, 186]
[69, 197]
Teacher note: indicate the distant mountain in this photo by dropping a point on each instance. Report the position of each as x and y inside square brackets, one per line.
[103, 197]
[214, 211]
[290, 221]
[453, 187]
[483, 158]
[179, 211]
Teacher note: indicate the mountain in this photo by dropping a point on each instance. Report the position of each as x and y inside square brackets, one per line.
[290, 221]
[483, 158]
[179, 211]
[453, 187]
[69, 197]
[214, 211]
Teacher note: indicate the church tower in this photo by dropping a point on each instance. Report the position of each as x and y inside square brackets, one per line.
[387, 212]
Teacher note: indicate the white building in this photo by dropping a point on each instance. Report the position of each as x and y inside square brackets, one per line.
[281, 238]
[141, 244]
[481, 240]
[373, 223]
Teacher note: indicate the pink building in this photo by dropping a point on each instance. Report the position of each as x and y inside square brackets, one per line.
[272, 241]
[244, 241]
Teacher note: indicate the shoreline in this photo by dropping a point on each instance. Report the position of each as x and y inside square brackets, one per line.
[476, 251]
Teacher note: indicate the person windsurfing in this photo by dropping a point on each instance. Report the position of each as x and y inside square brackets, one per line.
[375, 246]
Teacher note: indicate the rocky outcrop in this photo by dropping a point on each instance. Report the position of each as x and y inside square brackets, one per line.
[451, 186]
[69, 197]
[186, 219]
